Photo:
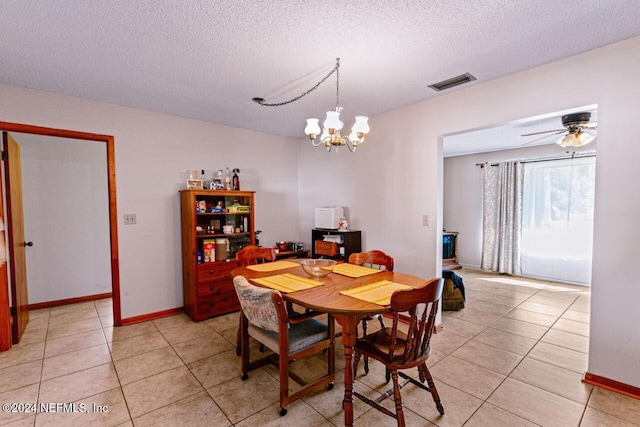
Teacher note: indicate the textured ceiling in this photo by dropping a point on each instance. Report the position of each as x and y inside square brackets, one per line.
[206, 59]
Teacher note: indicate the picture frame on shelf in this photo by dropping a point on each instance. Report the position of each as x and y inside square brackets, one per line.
[194, 184]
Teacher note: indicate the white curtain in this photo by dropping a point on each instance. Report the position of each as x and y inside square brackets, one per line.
[502, 217]
[557, 223]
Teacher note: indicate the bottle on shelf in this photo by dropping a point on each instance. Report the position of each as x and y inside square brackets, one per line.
[205, 183]
[227, 179]
[236, 180]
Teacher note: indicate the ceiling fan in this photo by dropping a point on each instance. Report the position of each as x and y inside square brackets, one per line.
[575, 126]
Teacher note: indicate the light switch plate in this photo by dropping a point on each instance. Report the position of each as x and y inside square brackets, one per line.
[129, 219]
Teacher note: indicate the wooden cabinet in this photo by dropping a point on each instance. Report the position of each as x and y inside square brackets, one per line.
[208, 254]
[348, 243]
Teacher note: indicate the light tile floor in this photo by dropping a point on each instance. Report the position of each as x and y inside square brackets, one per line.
[513, 357]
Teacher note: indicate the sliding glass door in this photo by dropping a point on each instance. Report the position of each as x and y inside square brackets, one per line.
[557, 221]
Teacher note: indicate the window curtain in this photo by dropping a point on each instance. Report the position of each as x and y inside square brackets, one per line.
[502, 217]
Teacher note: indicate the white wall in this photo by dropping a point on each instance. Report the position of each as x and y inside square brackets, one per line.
[463, 180]
[152, 154]
[397, 175]
[66, 215]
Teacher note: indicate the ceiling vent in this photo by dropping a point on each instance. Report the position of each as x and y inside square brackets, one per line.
[452, 82]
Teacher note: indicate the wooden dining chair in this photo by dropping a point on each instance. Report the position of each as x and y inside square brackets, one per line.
[400, 351]
[252, 255]
[265, 318]
[374, 259]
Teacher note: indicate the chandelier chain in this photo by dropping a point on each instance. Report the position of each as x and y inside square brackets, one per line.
[337, 83]
[260, 101]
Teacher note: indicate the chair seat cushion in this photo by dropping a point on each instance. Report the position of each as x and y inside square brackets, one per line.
[301, 335]
[376, 345]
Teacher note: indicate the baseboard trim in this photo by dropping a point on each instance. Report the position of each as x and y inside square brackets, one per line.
[152, 316]
[618, 387]
[57, 303]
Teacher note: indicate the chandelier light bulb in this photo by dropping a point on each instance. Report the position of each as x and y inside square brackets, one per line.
[333, 120]
[361, 125]
[313, 128]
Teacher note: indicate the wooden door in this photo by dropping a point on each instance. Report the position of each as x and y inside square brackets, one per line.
[15, 222]
[5, 316]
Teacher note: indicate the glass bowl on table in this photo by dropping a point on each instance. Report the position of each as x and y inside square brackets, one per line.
[318, 267]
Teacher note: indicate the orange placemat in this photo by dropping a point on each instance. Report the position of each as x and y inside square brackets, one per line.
[287, 282]
[352, 270]
[273, 266]
[377, 293]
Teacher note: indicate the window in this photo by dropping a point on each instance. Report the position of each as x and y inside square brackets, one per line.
[557, 219]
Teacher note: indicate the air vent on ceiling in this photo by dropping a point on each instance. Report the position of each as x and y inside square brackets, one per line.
[454, 81]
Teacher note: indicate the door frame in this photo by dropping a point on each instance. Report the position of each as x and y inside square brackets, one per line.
[111, 184]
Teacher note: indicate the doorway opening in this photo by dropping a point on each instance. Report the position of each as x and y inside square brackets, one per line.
[5, 314]
[465, 155]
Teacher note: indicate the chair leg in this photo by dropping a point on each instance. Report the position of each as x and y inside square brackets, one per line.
[356, 360]
[239, 338]
[397, 399]
[283, 371]
[244, 345]
[381, 322]
[432, 387]
[364, 334]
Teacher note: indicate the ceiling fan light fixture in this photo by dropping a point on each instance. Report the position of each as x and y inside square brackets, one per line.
[577, 139]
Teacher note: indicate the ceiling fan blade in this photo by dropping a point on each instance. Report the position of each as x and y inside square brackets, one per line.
[590, 126]
[544, 131]
[543, 137]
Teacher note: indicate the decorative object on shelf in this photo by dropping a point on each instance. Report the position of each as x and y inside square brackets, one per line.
[222, 249]
[227, 179]
[193, 180]
[343, 225]
[216, 182]
[332, 125]
[219, 207]
[205, 184]
[282, 246]
[236, 180]
[256, 238]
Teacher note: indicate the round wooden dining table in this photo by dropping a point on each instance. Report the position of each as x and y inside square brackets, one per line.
[347, 311]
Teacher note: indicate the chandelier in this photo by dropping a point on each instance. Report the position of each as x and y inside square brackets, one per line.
[332, 125]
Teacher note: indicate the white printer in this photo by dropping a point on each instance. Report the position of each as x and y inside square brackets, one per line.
[329, 217]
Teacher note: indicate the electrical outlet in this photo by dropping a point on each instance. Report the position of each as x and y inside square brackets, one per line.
[129, 219]
[425, 220]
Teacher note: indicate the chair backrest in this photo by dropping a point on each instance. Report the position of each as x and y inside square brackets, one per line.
[375, 259]
[250, 255]
[421, 322]
[259, 305]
